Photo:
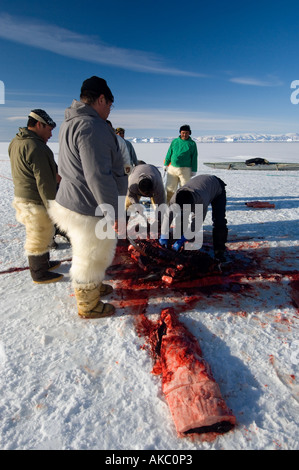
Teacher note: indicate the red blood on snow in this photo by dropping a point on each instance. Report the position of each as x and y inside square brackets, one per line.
[191, 392]
[260, 205]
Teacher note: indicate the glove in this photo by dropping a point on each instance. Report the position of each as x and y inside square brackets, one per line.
[163, 241]
[178, 244]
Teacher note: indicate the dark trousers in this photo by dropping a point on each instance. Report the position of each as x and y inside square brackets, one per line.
[219, 219]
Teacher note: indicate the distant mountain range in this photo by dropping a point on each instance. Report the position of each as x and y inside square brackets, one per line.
[225, 138]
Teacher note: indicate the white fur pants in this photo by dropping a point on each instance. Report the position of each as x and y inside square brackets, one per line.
[91, 256]
[39, 227]
[176, 176]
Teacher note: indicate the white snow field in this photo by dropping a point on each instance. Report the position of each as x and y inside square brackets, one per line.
[73, 384]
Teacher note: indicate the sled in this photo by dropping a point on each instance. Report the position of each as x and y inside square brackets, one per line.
[272, 166]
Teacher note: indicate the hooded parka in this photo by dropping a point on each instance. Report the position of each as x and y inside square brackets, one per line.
[90, 162]
[33, 167]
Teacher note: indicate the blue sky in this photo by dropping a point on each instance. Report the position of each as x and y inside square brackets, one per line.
[222, 67]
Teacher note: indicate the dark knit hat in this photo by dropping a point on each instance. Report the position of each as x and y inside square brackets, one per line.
[41, 116]
[98, 86]
[185, 127]
[145, 186]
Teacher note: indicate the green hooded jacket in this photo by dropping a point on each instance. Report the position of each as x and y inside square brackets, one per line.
[33, 167]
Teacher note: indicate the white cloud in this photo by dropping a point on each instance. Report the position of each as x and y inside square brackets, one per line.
[271, 81]
[16, 118]
[83, 47]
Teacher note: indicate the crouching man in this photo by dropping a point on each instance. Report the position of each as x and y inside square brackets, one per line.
[145, 180]
[202, 190]
[34, 174]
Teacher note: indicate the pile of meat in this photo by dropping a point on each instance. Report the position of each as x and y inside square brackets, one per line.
[164, 264]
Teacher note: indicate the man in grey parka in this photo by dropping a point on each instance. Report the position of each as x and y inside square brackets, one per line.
[202, 190]
[92, 174]
[145, 180]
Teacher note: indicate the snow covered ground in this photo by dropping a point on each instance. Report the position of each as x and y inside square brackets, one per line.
[68, 383]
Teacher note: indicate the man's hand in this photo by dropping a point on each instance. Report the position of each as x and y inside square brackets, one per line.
[163, 241]
[115, 226]
[178, 244]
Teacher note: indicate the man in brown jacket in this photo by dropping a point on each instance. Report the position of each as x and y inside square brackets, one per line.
[34, 173]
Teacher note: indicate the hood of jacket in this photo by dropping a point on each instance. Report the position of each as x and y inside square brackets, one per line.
[79, 109]
[25, 133]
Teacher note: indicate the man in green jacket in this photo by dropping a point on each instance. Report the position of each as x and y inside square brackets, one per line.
[181, 161]
[34, 174]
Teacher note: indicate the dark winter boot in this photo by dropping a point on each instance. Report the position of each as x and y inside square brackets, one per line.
[60, 232]
[219, 240]
[52, 264]
[39, 270]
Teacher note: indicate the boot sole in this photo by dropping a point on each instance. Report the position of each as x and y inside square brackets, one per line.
[96, 315]
[49, 281]
[56, 266]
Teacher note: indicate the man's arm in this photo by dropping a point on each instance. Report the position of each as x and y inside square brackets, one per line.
[167, 160]
[194, 158]
[95, 153]
[44, 174]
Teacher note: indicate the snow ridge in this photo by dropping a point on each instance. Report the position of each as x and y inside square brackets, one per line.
[247, 138]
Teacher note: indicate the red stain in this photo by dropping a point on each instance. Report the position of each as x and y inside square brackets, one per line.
[241, 280]
[260, 205]
[184, 295]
